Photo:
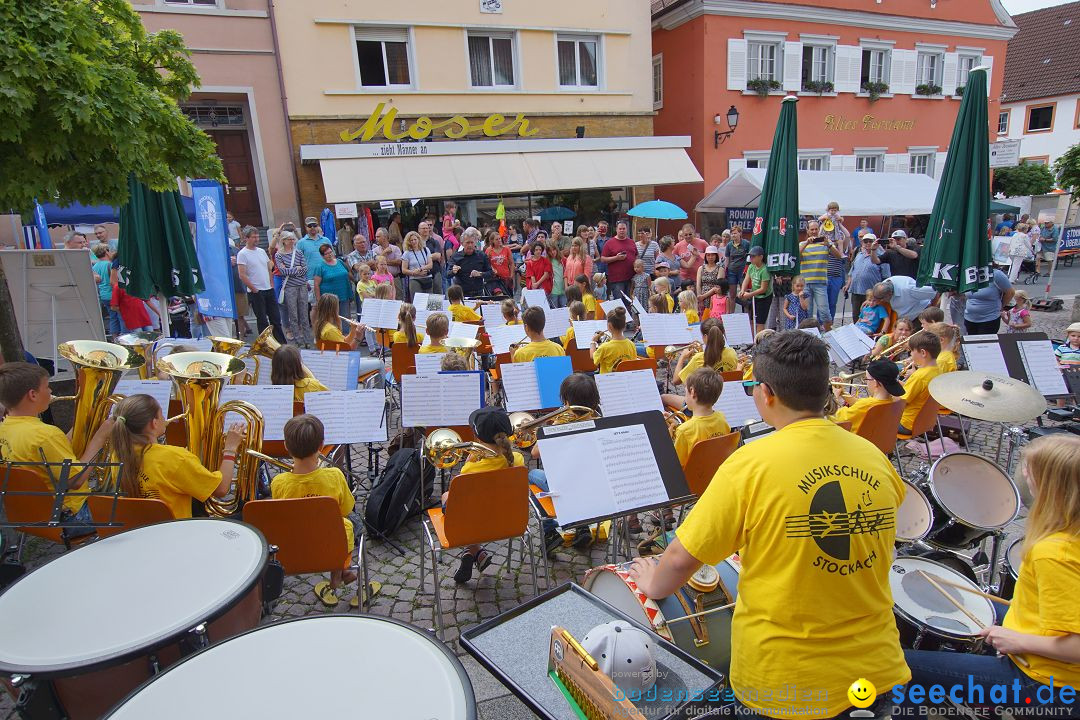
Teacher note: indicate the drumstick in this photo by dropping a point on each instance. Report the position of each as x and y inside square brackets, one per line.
[961, 608]
[975, 591]
[699, 614]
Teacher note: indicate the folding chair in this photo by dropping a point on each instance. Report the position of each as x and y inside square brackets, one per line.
[33, 508]
[732, 376]
[705, 459]
[131, 513]
[923, 423]
[879, 425]
[580, 361]
[637, 364]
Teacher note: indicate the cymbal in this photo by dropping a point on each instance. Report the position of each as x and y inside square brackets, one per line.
[984, 396]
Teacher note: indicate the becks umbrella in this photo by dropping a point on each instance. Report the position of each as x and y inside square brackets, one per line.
[956, 253]
[657, 210]
[156, 251]
[776, 227]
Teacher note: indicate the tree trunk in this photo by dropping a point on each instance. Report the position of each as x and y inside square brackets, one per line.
[10, 340]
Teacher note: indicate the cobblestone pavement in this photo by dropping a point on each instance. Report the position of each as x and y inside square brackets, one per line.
[405, 596]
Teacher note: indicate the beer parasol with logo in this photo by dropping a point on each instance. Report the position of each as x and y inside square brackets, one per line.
[956, 254]
[776, 227]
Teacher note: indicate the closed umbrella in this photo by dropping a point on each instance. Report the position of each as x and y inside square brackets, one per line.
[956, 254]
[326, 221]
[776, 227]
[657, 210]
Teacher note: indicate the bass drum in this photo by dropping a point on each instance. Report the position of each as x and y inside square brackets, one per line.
[926, 619]
[707, 638]
[1013, 556]
[971, 498]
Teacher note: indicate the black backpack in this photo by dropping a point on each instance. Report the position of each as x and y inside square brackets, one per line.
[397, 495]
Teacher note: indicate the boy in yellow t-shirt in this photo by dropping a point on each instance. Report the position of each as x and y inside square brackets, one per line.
[538, 346]
[438, 327]
[460, 312]
[949, 336]
[605, 356]
[881, 384]
[924, 349]
[808, 493]
[25, 392]
[703, 388]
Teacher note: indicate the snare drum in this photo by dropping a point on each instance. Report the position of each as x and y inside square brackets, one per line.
[971, 498]
[88, 628]
[324, 666]
[915, 516]
[1013, 556]
[707, 638]
[925, 618]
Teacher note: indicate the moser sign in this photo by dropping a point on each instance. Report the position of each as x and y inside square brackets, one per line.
[382, 124]
[839, 123]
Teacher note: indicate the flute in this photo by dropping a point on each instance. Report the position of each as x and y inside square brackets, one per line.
[357, 323]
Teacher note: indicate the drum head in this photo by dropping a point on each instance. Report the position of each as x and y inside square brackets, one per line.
[915, 516]
[1013, 557]
[607, 585]
[327, 666]
[924, 605]
[974, 491]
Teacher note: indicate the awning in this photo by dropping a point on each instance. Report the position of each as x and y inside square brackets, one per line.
[858, 193]
[996, 206]
[499, 167]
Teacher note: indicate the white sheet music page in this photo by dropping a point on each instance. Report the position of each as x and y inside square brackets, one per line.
[160, 390]
[812, 331]
[636, 304]
[275, 402]
[665, 329]
[428, 363]
[422, 316]
[504, 335]
[585, 330]
[556, 322]
[738, 407]
[1042, 367]
[380, 314]
[430, 301]
[439, 400]
[986, 357]
[349, 416]
[331, 368]
[463, 330]
[522, 390]
[737, 330]
[623, 393]
[535, 298]
[492, 314]
[850, 341]
[609, 305]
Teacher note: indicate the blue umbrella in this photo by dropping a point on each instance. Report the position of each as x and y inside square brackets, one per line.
[556, 212]
[658, 210]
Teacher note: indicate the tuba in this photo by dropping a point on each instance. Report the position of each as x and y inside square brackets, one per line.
[525, 425]
[465, 347]
[142, 344]
[264, 347]
[443, 448]
[98, 367]
[198, 378]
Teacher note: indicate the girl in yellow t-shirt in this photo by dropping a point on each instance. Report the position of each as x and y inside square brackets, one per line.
[950, 338]
[165, 472]
[287, 368]
[716, 355]
[577, 312]
[688, 305]
[438, 327]
[406, 321]
[607, 355]
[1039, 638]
[328, 322]
[510, 312]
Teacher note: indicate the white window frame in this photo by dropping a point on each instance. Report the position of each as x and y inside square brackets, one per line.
[862, 157]
[658, 81]
[754, 63]
[190, 3]
[760, 157]
[962, 72]
[829, 51]
[886, 65]
[577, 39]
[926, 158]
[1008, 119]
[936, 62]
[382, 35]
[809, 158]
[490, 36]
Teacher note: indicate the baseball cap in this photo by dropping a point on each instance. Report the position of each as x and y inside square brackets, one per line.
[624, 653]
[712, 250]
[663, 264]
[487, 422]
[756, 250]
[899, 233]
[887, 373]
[871, 237]
[311, 220]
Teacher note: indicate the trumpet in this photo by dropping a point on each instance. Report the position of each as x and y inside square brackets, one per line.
[848, 377]
[672, 350]
[841, 383]
[601, 336]
[525, 425]
[444, 448]
[900, 347]
[674, 418]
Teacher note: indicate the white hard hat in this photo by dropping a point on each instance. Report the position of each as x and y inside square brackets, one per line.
[624, 653]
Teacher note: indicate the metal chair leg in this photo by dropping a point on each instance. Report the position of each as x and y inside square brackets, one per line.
[362, 589]
[899, 463]
[532, 562]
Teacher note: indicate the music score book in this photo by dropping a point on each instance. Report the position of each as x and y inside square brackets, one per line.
[737, 330]
[428, 363]
[556, 322]
[380, 314]
[275, 403]
[492, 314]
[535, 385]
[1027, 357]
[848, 343]
[985, 357]
[609, 305]
[160, 390]
[335, 370]
[625, 393]
[441, 400]
[665, 329]
[503, 336]
[738, 407]
[585, 331]
[1041, 365]
[430, 301]
[349, 416]
[535, 298]
[422, 315]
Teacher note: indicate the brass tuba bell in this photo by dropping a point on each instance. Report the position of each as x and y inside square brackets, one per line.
[98, 367]
[444, 448]
[525, 425]
[142, 344]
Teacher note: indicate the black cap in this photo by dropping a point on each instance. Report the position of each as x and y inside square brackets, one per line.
[886, 372]
[756, 250]
[487, 422]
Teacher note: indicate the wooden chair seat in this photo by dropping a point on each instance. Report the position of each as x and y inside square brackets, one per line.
[705, 459]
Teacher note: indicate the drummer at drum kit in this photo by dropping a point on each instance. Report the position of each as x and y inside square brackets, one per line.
[882, 387]
[811, 510]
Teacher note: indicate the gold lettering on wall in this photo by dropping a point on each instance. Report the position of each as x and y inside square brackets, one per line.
[456, 127]
[870, 123]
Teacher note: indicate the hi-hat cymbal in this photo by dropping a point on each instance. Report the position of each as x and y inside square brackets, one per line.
[987, 397]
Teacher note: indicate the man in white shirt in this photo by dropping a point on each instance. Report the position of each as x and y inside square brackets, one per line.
[907, 299]
[255, 270]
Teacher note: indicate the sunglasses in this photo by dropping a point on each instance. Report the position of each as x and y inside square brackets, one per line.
[749, 385]
[312, 225]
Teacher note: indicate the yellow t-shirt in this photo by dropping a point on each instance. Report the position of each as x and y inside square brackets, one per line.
[326, 481]
[748, 372]
[366, 289]
[916, 392]
[25, 438]
[399, 337]
[691, 316]
[824, 500]
[856, 412]
[590, 304]
[175, 476]
[462, 313]
[670, 302]
[533, 350]
[696, 429]
[607, 354]
[1044, 603]
[426, 349]
[946, 360]
[493, 463]
[305, 385]
[568, 339]
[331, 333]
[728, 360]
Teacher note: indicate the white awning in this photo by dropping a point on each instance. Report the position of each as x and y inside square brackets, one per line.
[524, 166]
[858, 193]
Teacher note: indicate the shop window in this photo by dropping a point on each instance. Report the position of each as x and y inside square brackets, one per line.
[491, 60]
[383, 57]
[579, 61]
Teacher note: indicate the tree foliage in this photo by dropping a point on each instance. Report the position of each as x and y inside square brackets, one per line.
[1067, 168]
[89, 97]
[1024, 179]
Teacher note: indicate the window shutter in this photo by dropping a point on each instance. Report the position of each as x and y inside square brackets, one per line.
[381, 34]
[939, 164]
[902, 76]
[792, 66]
[952, 69]
[844, 163]
[734, 165]
[988, 61]
[736, 64]
[892, 163]
[848, 68]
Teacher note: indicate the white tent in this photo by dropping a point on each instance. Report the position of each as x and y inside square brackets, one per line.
[859, 193]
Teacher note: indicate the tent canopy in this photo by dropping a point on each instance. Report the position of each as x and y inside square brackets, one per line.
[79, 214]
[996, 206]
[859, 193]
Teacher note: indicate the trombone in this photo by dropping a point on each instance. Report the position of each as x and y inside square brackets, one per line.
[285, 464]
[900, 347]
[525, 425]
[444, 449]
[601, 336]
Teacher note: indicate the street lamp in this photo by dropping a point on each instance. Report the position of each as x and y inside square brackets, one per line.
[732, 121]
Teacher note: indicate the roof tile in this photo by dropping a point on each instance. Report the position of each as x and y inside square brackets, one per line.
[1043, 59]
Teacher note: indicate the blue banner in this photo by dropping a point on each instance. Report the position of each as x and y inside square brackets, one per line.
[212, 247]
[1070, 240]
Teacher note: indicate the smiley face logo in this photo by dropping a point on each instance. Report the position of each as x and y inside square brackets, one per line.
[862, 693]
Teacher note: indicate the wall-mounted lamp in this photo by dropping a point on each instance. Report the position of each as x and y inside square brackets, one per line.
[732, 121]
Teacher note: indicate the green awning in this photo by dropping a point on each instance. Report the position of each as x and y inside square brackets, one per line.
[1000, 207]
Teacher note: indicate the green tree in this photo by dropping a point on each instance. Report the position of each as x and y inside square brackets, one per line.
[1067, 168]
[89, 98]
[1024, 179]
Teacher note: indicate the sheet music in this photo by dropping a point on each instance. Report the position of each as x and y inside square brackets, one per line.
[602, 473]
[492, 314]
[738, 407]
[737, 330]
[556, 322]
[504, 335]
[849, 342]
[585, 330]
[439, 400]
[463, 330]
[636, 304]
[521, 387]
[160, 390]
[623, 393]
[985, 357]
[275, 402]
[665, 329]
[422, 316]
[812, 331]
[380, 314]
[264, 369]
[1042, 367]
[337, 371]
[428, 363]
[430, 301]
[535, 298]
[349, 416]
[609, 305]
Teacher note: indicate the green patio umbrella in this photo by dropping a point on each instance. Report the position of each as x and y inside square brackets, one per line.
[156, 251]
[956, 254]
[776, 227]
